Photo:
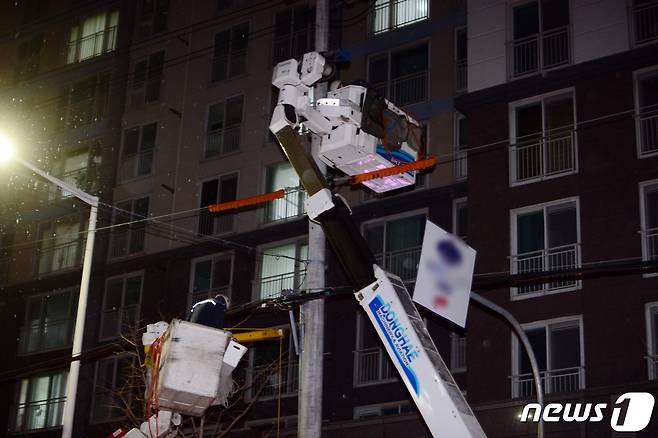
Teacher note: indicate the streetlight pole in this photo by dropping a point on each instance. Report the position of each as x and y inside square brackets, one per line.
[78, 334]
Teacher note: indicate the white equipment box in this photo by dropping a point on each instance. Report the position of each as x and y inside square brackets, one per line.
[191, 362]
[410, 347]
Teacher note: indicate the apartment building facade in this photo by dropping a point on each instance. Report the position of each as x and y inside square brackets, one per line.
[561, 115]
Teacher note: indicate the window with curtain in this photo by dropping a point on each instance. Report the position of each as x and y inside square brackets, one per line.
[282, 269]
[93, 37]
[40, 403]
[387, 15]
[277, 177]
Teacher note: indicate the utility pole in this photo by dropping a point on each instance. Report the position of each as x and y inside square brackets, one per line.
[309, 410]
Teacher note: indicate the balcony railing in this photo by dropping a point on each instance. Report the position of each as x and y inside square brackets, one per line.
[223, 141]
[200, 295]
[652, 366]
[552, 259]
[287, 381]
[458, 354]
[403, 263]
[92, 45]
[293, 45]
[291, 205]
[271, 287]
[647, 124]
[650, 243]
[127, 239]
[76, 178]
[645, 22]
[47, 336]
[461, 74]
[58, 257]
[135, 165]
[541, 51]
[210, 223]
[119, 321]
[461, 164]
[552, 381]
[39, 414]
[392, 14]
[544, 157]
[372, 365]
[405, 90]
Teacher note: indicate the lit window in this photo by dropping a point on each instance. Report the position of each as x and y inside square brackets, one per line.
[278, 177]
[93, 37]
[40, 402]
[392, 14]
[281, 269]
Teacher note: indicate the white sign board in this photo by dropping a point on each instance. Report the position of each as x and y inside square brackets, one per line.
[445, 274]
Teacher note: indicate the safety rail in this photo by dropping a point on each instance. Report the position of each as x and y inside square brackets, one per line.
[39, 414]
[647, 122]
[122, 320]
[405, 90]
[403, 263]
[552, 381]
[461, 74]
[461, 163]
[134, 165]
[77, 178]
[210, 223]
[92, 45]
[392, 14]
[541, 51]
[223, 141]
[372, 365]
[46, 336]
[284, 379]
[271, 287]
[543, 157]
[58, 257]
[650, 243]
[551, 259]
[645, 21]
[232, 64]
[290, 206]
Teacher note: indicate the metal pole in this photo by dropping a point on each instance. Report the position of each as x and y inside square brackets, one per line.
[311, 369]
[74, 371]
[526, 344]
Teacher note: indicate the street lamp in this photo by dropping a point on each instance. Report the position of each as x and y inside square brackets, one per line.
[7, 152]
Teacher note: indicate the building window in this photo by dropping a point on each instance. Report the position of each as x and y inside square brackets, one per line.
[6, 262]
[645, 21]
[83, 102]
[543, 138]
[121, 306]
[294, 33]
[94, 36]
[461, 154]
[393, 408]
[49, 321]
[216, 191]
[211, 276]
[28, 58]
[265, 369]
[282, 176]
[388, 15]
[651, 312]
[153, 15]
[129, 239]
[541, 36]
[281, 269]
[649, 220]
[460, 218]
[230, 55]
[147, 79]
[457, 353]
[113, 388]
[224, 126]
[401, 76]
[137, 152]
[559, 352]
[396, 244]
[646, 109]
[59, 245]
[545, 238]
[40, 403]
[79, 169]
[461, 59]
[371, 362]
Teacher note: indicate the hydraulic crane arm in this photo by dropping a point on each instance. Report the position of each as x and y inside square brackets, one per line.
[382, 295]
